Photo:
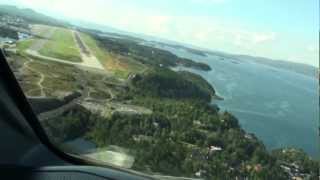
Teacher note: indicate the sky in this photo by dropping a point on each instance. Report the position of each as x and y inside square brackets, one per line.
[278, 29]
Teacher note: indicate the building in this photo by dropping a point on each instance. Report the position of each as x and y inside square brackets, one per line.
[215, 148]
[23, 36]
[6, 40]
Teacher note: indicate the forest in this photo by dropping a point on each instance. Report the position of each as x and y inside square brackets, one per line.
[197, 136]
[145, 54]
[164, 83]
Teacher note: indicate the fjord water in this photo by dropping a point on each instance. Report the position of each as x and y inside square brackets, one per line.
[279, 106]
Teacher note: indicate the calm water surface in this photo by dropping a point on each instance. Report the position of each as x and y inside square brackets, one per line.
[279, 106]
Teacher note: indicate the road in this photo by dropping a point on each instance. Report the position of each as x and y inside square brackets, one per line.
[88, 59]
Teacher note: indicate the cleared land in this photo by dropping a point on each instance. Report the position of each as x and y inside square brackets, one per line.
[61, 45]
[119, 65]
[71, 47]
[50, 78]
[48, 71]
[89, 60]
[45, 36]
[24, 45]
[112, 157]
[41, 30]
[42, 34]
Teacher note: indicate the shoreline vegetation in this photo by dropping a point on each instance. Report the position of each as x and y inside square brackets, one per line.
[170, 95]
[147, 55]
[179, 133]
[198, 137]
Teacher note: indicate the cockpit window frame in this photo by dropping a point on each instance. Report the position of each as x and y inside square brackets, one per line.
[19, 98]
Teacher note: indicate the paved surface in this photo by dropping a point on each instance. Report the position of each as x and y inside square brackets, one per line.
[38, 55]
[88, 59]
[90, 63]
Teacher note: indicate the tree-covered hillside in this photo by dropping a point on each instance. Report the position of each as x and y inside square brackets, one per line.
[164, 83]
[145, 54]
[183, 136]
[30, 15]
[5, 32]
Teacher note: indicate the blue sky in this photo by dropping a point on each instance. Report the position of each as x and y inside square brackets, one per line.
[279, 29]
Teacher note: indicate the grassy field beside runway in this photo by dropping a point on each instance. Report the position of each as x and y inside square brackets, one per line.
[119, 65]
[57, 77]
[24, 45]
[62, 46]
[39, 32]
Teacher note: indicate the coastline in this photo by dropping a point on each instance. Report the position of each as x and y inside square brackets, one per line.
[217, 97]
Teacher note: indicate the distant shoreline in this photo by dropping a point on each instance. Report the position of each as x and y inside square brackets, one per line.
[217, 97]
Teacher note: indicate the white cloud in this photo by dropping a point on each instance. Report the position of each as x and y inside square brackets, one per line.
[260, 38]
[209, 32]
[247, 39]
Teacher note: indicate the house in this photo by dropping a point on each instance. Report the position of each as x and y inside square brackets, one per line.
[249, 136]
[6, 40]
[215, 148]
[200, 173]
[23, 36]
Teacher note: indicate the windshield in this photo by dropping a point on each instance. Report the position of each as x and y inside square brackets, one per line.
[199, 89]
